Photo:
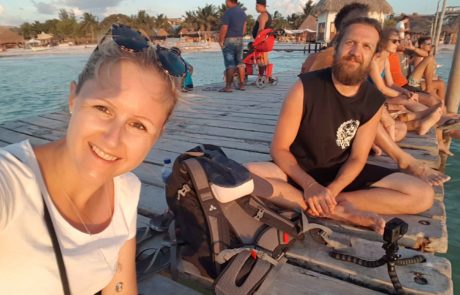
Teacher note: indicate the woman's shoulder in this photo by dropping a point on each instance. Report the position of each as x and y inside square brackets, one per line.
[128, 187]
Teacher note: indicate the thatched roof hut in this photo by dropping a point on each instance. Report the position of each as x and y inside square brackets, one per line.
[326, 10]
[9, 37]
[335, 5]
[44, 36]
[420, 24]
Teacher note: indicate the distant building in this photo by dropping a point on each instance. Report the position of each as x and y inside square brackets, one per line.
[308, 26]
[9, 38]
[326, 10]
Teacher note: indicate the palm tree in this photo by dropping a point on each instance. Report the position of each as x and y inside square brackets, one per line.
[143, 21]
[278, 21]
[308, 8]
[207, 18]
[89, 25]
[162, 22]
[190, 21]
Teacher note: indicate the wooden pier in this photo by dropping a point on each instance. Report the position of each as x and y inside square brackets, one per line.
[242, 123]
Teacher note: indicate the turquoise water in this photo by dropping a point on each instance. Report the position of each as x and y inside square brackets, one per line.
[39, 84]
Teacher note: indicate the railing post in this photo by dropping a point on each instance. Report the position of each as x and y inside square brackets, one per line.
[453, 86]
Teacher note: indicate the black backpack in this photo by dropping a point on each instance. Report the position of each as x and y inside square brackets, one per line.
[223, 224]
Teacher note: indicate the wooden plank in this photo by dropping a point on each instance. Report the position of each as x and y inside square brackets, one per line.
[292, 280]
[424, 233]
[436, 271]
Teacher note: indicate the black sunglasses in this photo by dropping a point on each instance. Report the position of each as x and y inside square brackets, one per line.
[395, 41]
[131, 40]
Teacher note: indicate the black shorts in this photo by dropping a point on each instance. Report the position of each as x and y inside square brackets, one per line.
[368, 176]
[413, 89]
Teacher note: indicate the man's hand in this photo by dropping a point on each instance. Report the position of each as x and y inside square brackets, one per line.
[221, 43]
[413, 96]
[319, 200]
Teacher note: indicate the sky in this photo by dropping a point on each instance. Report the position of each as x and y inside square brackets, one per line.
[16, 12]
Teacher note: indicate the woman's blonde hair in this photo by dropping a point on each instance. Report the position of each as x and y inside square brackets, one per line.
[109, 53]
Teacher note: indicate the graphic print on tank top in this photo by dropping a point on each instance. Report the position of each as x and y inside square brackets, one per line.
[346, 132]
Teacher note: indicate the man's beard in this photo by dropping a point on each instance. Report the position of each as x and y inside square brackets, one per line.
[344, 74]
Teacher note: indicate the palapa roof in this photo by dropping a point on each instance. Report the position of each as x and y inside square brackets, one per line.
[308, 23]
[160, 32]
[7, 36]
[420, 24]
[44, 36]
[335, 5]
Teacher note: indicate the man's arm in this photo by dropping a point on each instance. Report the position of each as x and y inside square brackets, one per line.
[263, 18]
[285, 133]
[362, 144]
[126, 272]
[222, 34]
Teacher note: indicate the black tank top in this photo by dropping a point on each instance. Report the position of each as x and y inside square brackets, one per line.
[268, 25]
[330, 121]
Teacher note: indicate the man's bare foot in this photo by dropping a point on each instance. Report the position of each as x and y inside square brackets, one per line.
[421, 170]
[429, 121]
[377, 151]
[347, 213]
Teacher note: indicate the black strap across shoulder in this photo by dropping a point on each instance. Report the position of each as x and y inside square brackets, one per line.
[57, 251]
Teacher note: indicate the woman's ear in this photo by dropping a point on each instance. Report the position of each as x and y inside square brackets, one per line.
[72, 94]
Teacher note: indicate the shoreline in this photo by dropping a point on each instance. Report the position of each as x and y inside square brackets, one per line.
[185, 47]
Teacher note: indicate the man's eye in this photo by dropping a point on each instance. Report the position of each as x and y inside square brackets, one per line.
[102, 109]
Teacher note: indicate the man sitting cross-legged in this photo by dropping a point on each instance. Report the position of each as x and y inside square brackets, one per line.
[324, 133]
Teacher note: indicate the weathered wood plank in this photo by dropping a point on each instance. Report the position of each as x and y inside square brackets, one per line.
[436, 271]
[424, 233]
[292, 280]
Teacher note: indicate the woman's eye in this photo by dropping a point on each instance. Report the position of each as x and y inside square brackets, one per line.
[102, 109]
[139, 126]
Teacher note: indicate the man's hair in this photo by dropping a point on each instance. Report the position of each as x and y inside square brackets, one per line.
[234, 1]
[403, 17]
[422, 40]
[387, 33]
[346, 10]
[359, 21]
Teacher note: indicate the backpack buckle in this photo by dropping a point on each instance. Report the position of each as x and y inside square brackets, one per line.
[260, 214]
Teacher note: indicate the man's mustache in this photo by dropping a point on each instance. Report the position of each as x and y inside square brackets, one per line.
[351, 57]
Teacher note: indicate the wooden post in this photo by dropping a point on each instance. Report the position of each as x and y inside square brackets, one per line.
[439, 27]
[453, 87]
[434, 26]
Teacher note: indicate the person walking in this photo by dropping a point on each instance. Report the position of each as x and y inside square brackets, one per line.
[231, 35]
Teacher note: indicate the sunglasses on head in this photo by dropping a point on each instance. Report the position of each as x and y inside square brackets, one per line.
[134, 41]
[395, 41]
[427, 43]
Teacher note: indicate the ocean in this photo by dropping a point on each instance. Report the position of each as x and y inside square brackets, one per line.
[32, 85]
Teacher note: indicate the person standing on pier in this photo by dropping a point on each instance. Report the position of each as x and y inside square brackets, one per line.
[264, 21]
[324, 133]
[231, 35]
[68, 208]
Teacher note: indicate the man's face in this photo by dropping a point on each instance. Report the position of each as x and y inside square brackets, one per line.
[353, 55]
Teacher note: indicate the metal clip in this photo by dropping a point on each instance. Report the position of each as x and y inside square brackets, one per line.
[260, 214]
[183, 191]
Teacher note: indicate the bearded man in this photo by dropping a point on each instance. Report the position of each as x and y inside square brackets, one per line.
[324, 133]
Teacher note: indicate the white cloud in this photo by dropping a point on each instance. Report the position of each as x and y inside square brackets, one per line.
[2, 10]
[92, 5]
[77, 11]
[45, 8]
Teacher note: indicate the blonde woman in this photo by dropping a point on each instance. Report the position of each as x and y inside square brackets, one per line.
[80, 187]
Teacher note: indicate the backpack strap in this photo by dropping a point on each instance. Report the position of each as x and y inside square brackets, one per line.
[263, 214]
[219, 230]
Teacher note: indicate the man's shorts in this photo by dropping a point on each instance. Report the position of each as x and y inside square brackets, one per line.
[366, 178]
[233, 52]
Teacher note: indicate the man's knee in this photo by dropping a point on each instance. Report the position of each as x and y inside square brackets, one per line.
[422, 196]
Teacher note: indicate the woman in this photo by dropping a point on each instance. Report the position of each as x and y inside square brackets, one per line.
[118, 108]
[380, 73]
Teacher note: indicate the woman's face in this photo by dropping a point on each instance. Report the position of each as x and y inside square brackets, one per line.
[392, 43]
[116, 119]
